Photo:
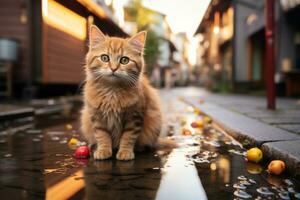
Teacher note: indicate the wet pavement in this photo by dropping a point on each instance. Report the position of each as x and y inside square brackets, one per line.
[208, 164]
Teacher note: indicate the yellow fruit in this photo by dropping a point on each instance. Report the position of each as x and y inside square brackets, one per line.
[200, 123]
[69, 127]
[73, 141]
[197, 111]
[254, 155]
[197, 124]
[254, 168]
[276, 167]
[207, 119]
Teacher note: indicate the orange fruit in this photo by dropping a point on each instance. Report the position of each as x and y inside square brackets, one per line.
[201, 101]
[276, 167]
[254, 155]
[186, 131]
[197, 124]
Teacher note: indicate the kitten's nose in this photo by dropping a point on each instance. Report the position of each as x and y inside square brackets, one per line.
[113, 69]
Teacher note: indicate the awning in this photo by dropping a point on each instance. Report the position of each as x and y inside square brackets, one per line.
[97, 10]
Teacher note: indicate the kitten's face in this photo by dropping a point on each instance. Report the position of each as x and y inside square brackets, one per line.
[114, 60]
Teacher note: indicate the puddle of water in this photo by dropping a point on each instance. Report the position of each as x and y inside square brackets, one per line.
[242, 194]
[264, 191]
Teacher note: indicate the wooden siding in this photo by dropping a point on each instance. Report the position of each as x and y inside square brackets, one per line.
[11, 27]
[63, 58]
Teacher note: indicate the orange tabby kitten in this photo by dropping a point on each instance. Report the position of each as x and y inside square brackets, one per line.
[121, 109]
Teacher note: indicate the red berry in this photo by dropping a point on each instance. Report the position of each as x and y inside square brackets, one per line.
[82, 152]
[194, 125]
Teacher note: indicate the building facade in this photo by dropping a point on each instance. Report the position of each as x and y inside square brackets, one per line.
[52, 37]
[242, 53]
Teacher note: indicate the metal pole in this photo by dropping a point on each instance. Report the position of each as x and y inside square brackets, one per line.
[270, 52]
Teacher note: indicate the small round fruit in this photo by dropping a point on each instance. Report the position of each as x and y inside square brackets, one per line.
[200, 123]
[254, 155]
[197, 111]
[276, 167]
[186, 132]
[73, 141]
[197, 124]
[201, 101]
[194, 124]
[69, 127]
[207, 119]
[82, 152]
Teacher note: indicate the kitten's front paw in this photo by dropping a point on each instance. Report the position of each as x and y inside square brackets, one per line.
[125, 154]
[102, 154]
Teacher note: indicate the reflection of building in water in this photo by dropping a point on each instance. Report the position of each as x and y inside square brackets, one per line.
[240, 57]
[220, 170]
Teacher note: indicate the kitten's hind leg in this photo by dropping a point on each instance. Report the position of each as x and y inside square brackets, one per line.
[104, 145]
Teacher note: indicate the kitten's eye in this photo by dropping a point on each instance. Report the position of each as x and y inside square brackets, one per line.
[104, 58]
[124, 60]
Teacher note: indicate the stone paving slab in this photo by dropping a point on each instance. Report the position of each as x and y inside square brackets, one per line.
[243, 127]
[289, 151]
[290, 127]
[281, 120]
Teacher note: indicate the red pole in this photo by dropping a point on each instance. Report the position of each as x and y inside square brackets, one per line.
[270, 52]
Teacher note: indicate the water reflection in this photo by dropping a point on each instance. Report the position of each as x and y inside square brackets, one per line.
[20, 168]
[112, 179]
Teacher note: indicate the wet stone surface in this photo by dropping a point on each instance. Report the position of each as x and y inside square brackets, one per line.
[39, 164]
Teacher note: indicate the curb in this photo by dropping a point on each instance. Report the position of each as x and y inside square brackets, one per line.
[274, 142]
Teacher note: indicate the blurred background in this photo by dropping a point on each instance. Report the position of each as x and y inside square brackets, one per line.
[219, 45]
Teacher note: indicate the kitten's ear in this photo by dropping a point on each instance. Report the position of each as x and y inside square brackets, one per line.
[138, 40]
[96, 36]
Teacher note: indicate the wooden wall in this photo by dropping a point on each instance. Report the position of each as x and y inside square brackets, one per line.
[47, 55]
[63, 57]
[11, 27]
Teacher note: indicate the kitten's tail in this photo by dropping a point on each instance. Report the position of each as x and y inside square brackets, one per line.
[165, 143]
